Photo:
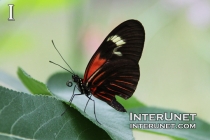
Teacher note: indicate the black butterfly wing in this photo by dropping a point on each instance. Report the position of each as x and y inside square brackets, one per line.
[113, 69]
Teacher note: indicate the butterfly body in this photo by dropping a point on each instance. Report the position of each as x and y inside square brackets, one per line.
[81, 87]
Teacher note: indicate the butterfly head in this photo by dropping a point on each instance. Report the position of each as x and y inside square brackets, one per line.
[75, 78]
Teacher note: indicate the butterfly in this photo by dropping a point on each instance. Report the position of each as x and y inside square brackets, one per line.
[113, 69]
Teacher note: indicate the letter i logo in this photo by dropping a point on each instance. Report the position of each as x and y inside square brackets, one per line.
[11, 12]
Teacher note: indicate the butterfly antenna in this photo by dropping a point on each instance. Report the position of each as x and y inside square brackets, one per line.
[62, 58]
[61, 66]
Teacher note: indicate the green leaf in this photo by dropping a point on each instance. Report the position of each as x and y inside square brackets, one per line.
[27, 116]
[132, 102]
[115, 123]
[202, 131]
[33, 85]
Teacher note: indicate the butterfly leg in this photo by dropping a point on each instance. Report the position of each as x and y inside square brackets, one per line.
[87, 102]
[70, 101]
[94, 107]
[72, 97]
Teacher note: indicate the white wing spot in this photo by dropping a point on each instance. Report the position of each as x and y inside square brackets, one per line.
[118, 41]
[118, 53]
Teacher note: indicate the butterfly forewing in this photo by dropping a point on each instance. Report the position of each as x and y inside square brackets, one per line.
[113, 69]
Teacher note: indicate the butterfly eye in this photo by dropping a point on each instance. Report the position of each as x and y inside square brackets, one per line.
[69, 83]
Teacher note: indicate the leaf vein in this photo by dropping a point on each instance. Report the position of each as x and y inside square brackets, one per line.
[81, 133]
[12, 127]
[14, 136]
[8, 104]
[44, 125]
[62, 127]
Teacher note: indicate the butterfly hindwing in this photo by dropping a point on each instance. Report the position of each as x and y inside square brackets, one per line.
[111, 82]
[113, 69]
